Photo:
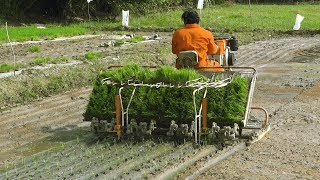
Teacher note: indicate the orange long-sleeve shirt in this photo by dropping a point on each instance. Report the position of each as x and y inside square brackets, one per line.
[193, 37]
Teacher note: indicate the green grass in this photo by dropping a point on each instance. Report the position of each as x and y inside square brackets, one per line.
[165, 51]
[9, 67]
[34, 49]
[239, 18]
[119, 42]
[48, 60]
[32, 33]
[136, 39]
[93, 56]
[58, 60]
[220, 19]
[38, 84]
[40, 61]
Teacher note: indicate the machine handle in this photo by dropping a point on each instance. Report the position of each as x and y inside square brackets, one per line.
[266, 121]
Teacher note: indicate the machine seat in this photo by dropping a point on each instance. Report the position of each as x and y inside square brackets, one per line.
[188, 59]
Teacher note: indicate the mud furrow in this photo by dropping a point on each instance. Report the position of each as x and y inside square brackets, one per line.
[41, 115]
[48, 103]
[43, 127]
[6, 118]
[249, 54]
[24, 135]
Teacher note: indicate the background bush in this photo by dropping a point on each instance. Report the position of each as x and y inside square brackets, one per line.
[58, 10]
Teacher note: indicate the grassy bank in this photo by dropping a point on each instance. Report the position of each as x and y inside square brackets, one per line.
[220, 19]
[240, 18]
[37, 84]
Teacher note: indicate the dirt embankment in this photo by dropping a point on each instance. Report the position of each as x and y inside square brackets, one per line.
[288, 87]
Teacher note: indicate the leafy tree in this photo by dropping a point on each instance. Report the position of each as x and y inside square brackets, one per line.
[38, 9]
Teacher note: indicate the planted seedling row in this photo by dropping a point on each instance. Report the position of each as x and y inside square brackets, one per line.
[47, 158]
[80, 161]
[97, 158]
[167, 161]
[146, 161]
[133, 164]
[64, 159]
[118, 159]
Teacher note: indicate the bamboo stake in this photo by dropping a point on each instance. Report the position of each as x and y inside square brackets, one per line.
[14, 56]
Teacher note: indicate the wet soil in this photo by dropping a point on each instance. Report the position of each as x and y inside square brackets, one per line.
[53, 130]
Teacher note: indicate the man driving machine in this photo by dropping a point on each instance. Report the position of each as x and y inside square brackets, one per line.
[194, 38]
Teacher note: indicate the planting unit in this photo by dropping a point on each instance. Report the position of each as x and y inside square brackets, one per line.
[182, 104]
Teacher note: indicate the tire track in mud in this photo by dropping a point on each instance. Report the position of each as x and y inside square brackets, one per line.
[273, 51]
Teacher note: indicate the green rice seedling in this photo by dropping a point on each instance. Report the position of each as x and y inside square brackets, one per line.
[48, 60]
[9, 67]
[58, 60]
[119, 42]
[33, 38]
[7, 171]
[34, 49]
[226, 104]
[136, 39]
[170, 75]
[39, 61]
[62, 145]
[165, 50]
[58, 166]
[93, 56]
[102, 156]
[119, 33]
[36, 165]
[23, 161]
[15, 168]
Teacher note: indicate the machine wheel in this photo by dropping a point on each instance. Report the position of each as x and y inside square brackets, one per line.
[231, 59]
